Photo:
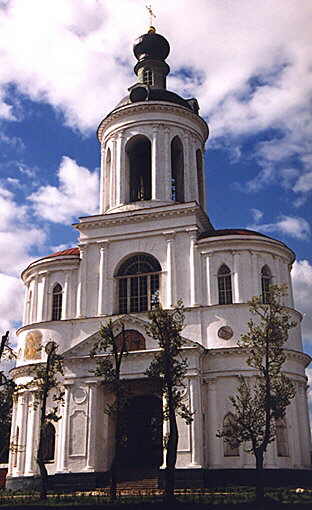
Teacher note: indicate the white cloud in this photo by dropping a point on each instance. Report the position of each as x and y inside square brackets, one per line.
[302, 286]
[77, 194]
[11, 301]
[17, 234]
[256, 214]
[304, 183]
[295, 227]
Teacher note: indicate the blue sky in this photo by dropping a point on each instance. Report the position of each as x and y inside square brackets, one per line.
[63, 67]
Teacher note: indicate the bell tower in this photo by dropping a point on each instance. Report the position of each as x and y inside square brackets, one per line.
[152, 142]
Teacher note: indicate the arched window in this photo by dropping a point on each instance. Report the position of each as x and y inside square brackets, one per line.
[138, 151]
[224, 285]
[200, 178]
[48, 450]
[138, 283]
[282, 438]
[134, 340]
[57, 296]
[177, 170]
[231, 449]
[266, 280]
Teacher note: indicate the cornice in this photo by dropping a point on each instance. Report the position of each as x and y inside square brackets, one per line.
[47, 264]
[150, 106]
[212, 244]
[240, 351]
[140, 215]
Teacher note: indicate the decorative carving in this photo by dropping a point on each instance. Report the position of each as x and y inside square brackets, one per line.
[79, 395]
[225, 332]
[33, 345]
[78, 433]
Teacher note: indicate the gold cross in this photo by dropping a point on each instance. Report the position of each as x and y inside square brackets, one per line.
[152, 15]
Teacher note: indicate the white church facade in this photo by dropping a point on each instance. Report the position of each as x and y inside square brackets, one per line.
[151, 237]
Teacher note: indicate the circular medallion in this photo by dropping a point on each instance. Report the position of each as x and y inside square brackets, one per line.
[225, 332]
[79, 395]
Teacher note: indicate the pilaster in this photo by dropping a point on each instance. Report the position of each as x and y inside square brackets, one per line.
[197, 423]
[82, 283]
[62, 443]
[103, 294]
[170, 286]
[195, 284]
[92, 425]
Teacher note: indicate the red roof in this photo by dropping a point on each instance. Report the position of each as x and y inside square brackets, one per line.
[69, 251]
[231, 231]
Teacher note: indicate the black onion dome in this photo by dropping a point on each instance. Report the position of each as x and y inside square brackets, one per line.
[159, 95]
[151, 45]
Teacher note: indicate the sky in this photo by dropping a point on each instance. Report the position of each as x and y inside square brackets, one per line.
[65, 64]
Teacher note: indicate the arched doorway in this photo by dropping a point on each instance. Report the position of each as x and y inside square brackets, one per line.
[142, 431]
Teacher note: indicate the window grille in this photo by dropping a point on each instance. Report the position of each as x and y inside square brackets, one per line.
[230, 449]
[266, 280]
[48, 448]
[282, 438]
[57, 302]
[138, 284]
[224, 285]
[148, 77]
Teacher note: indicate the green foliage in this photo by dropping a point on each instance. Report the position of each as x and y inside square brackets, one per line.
[46, 381]
[168, 365]
[7, 387]
[262, 399]
[108, 367]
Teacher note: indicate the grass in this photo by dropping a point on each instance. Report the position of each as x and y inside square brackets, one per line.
[230, 497]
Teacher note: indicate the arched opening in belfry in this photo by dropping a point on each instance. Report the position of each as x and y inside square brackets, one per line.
[138, 151]
[177, 170]
[200, 178]
[142, 422]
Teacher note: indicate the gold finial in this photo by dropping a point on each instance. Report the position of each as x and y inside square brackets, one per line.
[152, 15]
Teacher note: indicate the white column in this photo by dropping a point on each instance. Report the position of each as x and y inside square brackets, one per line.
[208, 278]
[62, 444]
[290, 287]
[236, 289]
[167, 164]
[44, 297]
[92, 415]
[113, 176]
[103, 293]
[31, 426]
[103, 178]
[170, 286]
[157, 168]
[256, 276]
[212, 441]
[82, 283]
[304, 434]
[121, 185]
[12, 452]
[25, 310]
[65, 300]
[195, 283]
[35, 300]
[21, 447]
[197, 423]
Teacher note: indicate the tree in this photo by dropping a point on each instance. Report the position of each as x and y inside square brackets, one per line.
[168, 365]
[263, 399]
[113, 342]
[6, 398]
[46, 382]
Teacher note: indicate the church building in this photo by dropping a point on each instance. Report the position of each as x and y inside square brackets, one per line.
[151, 239]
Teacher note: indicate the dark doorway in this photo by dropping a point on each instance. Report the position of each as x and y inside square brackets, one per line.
[142, 429]
[138, 150]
